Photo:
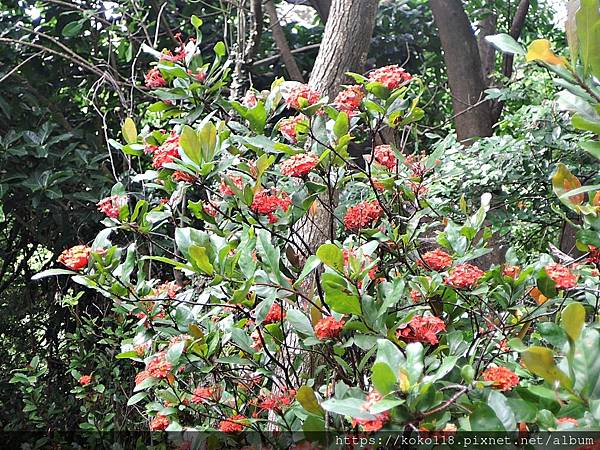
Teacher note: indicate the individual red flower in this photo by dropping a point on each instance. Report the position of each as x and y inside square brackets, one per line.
[159, 367]
[568, 420]
[202, 394]
[503, 378]
[75, 258]
[561, 275]
[287, 127]
[349, 99]
[233, 424]
[142, 376]
[84, 380]
[184, 176]
[362, 215]
[140, 350]
[168, 288]
[437, 260]
[159, 423]
[154, 79]
[275, 314]
[328, 328]
[111, 206]
[422, 329]
[298, 91]
[511, 271]
[236, 180]
[299, 165]
[416, 296]
[167, 152]
[464, 276]
[275, 402]
[266, 202]
[390, 76]
[385, 156]
[250, 100]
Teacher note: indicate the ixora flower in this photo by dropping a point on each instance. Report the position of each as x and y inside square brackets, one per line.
[299, 165]
[75, 258]
[267, 201]
[250, 100]
[204, 394]
[287, 127]
[349, 99]
[154, 79]
[84, 380]
[504, 379]
[362, 215]
[233, 424]
[511, 271]
[328, 328]
[184, 176]
[297, 91]
[437, 260]
[159, 367]
[385, 156]
[236, 180]
[390, 76]
[464, 276]
[166, 152]
[159, 423]
[275, 314]
[111, 206]
[369, 425]
[561, 275]
[275, 402]
[168, 289]
[422, 329]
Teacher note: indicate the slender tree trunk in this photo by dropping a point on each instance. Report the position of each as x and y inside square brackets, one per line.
[461, 55]
[282, 44]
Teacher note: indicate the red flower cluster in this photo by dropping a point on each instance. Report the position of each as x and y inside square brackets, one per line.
[511, 271]
[299, 91]
[250, 100]
[390, 76]
[287, 127]
[184, 176]
[110, 206]
[561, 275]
[464, 276]
[275, 402]
[202, 394]
[328, 328]
[299, 165]
[236, 180]
[75, 258]
[569, 420]
[415, 166]
[154, 79]
[233, 424]
[349, 99]
[159, 367]
[166, 153]
[422, 329]
[168, 288]
[385, 156]
[376, 424]
[437, 260]
[266, 202]
[503, 378]
[140, 377]
[416, 296]
[84, 380]
[275, 314]
[362, 215]
[593, 255]
[159, 423]
[180, 52]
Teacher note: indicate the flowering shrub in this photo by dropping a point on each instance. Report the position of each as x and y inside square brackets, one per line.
[243, 321]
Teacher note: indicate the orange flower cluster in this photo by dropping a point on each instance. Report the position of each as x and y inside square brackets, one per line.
[503, 378]
[110, 206]
[299, 91]
[184, 176]
[362, 215]
[594, 255]
[154, 79]
[349, 99]
[236, 180]
[437, 260]
[210, 208]
[159, 367]
[568, 420]
[233, 424]
[75, 258]
[166, 153]
[266, 202]
[84, 380]
[464, 276]
[275, 314]
[422, 329]
[287, 127]
[159, 423]
[328, 328]
[561, 275]
[390, 76]
[299, 165]
[385, 156]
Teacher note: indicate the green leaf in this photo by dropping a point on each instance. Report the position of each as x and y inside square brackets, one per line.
[311, 264]
[52, 272]
[414, 362]
[587, 19]
[383, 378]
[307, 398]
[338, 296]
[592, 147]
[174, 352]
[257, 118]
[220, 49]
[573, 319]
[299, 322]
[501, 407]
[190, 144]
[506, 44]
[484, 419]
[199, 258]
[546, 285]
[540, 361]
[196, 21]
[127, 355]
[352, 407]
[208, 140]
[137, 398]
[341, 125]
[73, 28]
[331, 255]
[129, 131]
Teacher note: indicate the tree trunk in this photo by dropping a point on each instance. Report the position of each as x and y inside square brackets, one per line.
[282, 44]
[461, 55]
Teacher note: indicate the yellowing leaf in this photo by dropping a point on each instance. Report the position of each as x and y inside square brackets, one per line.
[129, 131]
[572, 321]
[564, 181]
[539, 50]
[307, 398]
[540, 361]
[537, 295]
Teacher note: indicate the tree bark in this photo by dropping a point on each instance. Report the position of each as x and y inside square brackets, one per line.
[487, 52]
[463, 64]
[282, 44]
